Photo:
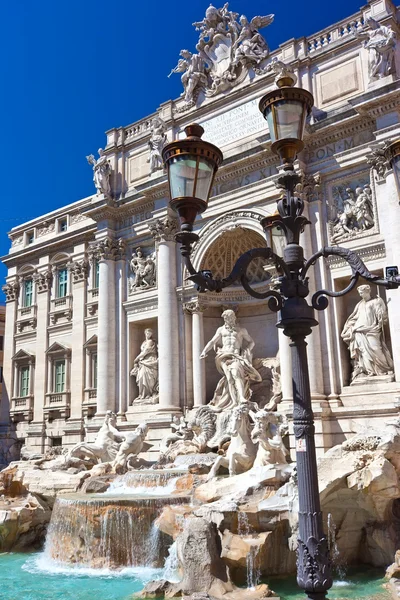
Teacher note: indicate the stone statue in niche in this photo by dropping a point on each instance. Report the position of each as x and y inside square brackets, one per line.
[144, 270]
[233, 347]
[194, 76]
[101, 173]
[354, 212]
[364, 334]
[380, 41]
[145, 370]
[157, 142]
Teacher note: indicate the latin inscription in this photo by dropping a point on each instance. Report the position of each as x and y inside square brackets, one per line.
[234, 124]
[337, 147]
[233, 184]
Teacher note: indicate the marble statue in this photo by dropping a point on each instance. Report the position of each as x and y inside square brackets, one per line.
[363, 210]
[194, 75]
[363, 332]
[132, 444]
[380, 41]
[250, 45]
[181, 430]
[233, 347]
[242, 450]
[101, 173]
[105, 446]
[144, 269]
[267, 432]
[226, 48]
[354, 213]
[145, 369]
[157, 142]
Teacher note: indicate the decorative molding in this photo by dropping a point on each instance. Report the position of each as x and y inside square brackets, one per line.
[366, 254]
[76, 218]
[17, 241]
[45, 228]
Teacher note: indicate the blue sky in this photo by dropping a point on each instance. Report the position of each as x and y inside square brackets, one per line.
[71, 70]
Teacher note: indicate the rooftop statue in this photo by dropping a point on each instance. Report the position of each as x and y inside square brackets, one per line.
[157, 142]
[101, 173]
[380, 41]
[227, 48]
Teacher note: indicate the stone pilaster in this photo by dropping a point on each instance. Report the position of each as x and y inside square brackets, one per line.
[199, 373]
[388, 199]
[43, 281]
[163, 232]
[11, 290]
[79, 270]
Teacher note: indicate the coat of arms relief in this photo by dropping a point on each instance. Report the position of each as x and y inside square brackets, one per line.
[228, 47]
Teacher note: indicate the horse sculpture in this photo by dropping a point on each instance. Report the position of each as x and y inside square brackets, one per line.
[242, 450]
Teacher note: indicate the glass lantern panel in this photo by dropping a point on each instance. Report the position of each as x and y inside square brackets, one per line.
[289, 115]
[204, 179]
[278, 240]
[269, 115]
[182, 173]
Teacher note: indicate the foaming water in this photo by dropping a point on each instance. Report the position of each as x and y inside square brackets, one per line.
[43, 564]
[146, 482]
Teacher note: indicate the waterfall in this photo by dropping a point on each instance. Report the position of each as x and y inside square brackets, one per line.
[97, 531]
[338, 566]
[171, 565]
[252, 561]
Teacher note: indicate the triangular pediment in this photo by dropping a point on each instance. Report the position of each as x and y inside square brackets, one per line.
[23, 355]
[91, 342]
[57, 348]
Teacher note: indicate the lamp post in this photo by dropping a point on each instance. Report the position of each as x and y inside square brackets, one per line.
[191, 165]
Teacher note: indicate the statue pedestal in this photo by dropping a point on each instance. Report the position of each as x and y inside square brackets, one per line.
[379, 392]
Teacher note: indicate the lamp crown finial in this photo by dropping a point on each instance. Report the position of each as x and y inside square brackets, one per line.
[194, 130]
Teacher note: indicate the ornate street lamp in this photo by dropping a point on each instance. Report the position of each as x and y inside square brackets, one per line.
[285, 110]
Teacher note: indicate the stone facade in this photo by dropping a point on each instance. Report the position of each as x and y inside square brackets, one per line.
[75, 320]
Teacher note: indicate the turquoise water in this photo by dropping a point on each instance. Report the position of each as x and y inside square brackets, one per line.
[33, 577]
[357, 585]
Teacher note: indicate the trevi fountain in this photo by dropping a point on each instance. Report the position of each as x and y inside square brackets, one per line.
[168, 495]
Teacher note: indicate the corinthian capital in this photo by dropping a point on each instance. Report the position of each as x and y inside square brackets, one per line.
[309, 187]
[11, 290]
[79, 270]
[107, 249]
[43, 280]
[164, 230]
[194, 306]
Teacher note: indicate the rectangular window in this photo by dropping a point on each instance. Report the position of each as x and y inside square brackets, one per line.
[28, 292]
[62, 279]
[96, 275]
[1, 342]
[30, 236]
[23, 382]
[55, 442]
[59, 376]
[62, 225]
[94, 371]
[1, 374]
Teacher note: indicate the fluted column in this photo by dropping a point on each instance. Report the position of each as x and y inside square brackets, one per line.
[198, 366]
[107, 250]
[43, 282]
[121, 328]
[79, 273]
[168, 332]
[314, 349]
